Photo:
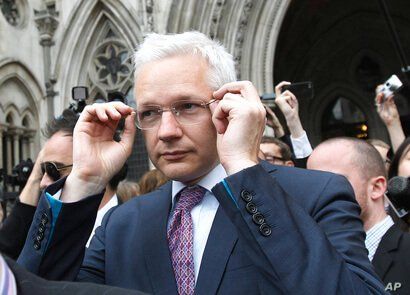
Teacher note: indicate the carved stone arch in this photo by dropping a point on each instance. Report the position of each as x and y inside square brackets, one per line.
[20, 94]
[17, 74]
[248, 29]
[329, 94]
[27, 119]
[107, 59]
[11, 69]
[87, 22]
[11, 115]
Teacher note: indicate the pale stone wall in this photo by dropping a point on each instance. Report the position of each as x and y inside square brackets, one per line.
[56, 48]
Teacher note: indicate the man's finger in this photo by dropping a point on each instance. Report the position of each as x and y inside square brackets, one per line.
[245, 88]
[129, 132]
[278, 88]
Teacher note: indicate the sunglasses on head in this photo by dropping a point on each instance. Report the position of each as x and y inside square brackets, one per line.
[52, 170]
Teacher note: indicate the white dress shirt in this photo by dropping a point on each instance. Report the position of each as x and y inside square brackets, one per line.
[7, 281]
[375, 235]
[202, 214]
[100, 214]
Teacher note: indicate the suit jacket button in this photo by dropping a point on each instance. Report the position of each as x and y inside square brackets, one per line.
[251, 208]
[258, 218]
[246, 196]
[265, 230]
[44, 219]
[37, 245]
[40, 236]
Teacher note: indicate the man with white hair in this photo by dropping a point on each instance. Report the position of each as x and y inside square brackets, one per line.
[226, 223]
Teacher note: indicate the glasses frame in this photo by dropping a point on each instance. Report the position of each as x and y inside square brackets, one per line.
[54, 175]
[172, 109]
[274, 158]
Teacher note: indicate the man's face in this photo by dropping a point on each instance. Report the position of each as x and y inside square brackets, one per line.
[272, 154]
[182, 152]
[404, 164]
[336, 158]
[58, 149]
[383, 152]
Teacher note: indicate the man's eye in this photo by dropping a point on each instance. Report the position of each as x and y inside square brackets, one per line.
[147, 114]
[188, 106]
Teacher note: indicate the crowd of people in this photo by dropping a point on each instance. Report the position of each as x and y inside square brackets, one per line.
[231, 208]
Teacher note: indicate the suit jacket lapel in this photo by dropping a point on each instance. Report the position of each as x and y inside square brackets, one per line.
[157, 257]
[221, 241]
[382, 259]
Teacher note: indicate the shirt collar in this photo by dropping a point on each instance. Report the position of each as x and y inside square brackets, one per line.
[381, 227]
[215, 176]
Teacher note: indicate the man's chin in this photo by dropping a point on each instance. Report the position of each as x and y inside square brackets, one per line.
[183, 172]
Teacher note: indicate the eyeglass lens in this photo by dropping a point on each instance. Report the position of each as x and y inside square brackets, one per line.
[185, 112]
[51, 170]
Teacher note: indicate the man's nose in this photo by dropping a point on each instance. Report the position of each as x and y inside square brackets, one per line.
[45, 181]
[169, 127]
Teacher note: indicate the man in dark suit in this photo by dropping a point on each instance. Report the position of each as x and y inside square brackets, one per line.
[57, 150]
[388, 246]
[226, 223]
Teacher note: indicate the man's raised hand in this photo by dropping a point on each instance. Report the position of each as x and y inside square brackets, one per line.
[97, 157]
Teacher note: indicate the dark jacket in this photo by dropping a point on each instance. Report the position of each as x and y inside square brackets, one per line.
[392, 260]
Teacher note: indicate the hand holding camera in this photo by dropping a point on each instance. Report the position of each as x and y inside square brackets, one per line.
[391, 86]
[384, 101]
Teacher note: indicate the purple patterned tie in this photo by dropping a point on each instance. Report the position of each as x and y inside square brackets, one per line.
[180, 239]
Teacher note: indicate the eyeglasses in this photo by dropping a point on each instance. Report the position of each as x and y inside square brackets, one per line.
[186, 112]
[53, 170]
[272, 159]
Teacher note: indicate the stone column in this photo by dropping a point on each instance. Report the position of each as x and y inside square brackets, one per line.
[30, 146]
[16, 144]
[9, 156]
[1, 147]
[47, 23]
[25, 148]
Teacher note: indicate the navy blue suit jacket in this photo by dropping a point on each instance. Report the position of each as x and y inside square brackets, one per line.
[311, 241]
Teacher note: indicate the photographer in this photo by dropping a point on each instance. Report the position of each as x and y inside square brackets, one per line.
[53, 162]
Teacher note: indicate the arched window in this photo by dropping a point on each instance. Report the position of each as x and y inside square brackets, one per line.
[343, 117]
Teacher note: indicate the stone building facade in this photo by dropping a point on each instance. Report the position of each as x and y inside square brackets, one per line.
[49, 46]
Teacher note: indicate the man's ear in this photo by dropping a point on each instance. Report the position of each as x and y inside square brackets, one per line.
[378, 186]
[290, 163]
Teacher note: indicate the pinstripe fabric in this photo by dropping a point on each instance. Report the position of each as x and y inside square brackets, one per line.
[375, 234]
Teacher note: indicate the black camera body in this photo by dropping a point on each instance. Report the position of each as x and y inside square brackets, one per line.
[20, 174]
[302, 90]
[79, 95]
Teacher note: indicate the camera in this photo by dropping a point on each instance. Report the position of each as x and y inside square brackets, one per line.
[19, 177]
[79, 95]
[302, 90]
[20, 173]
[392, 85]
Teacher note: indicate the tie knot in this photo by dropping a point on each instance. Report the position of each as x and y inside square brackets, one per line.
[190, 197]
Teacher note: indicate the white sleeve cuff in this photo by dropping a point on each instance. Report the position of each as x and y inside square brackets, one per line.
[301, 146]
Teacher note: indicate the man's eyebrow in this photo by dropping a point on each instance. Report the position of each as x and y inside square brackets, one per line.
[59, 164]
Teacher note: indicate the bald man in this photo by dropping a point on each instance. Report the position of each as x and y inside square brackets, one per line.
[362, 165]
